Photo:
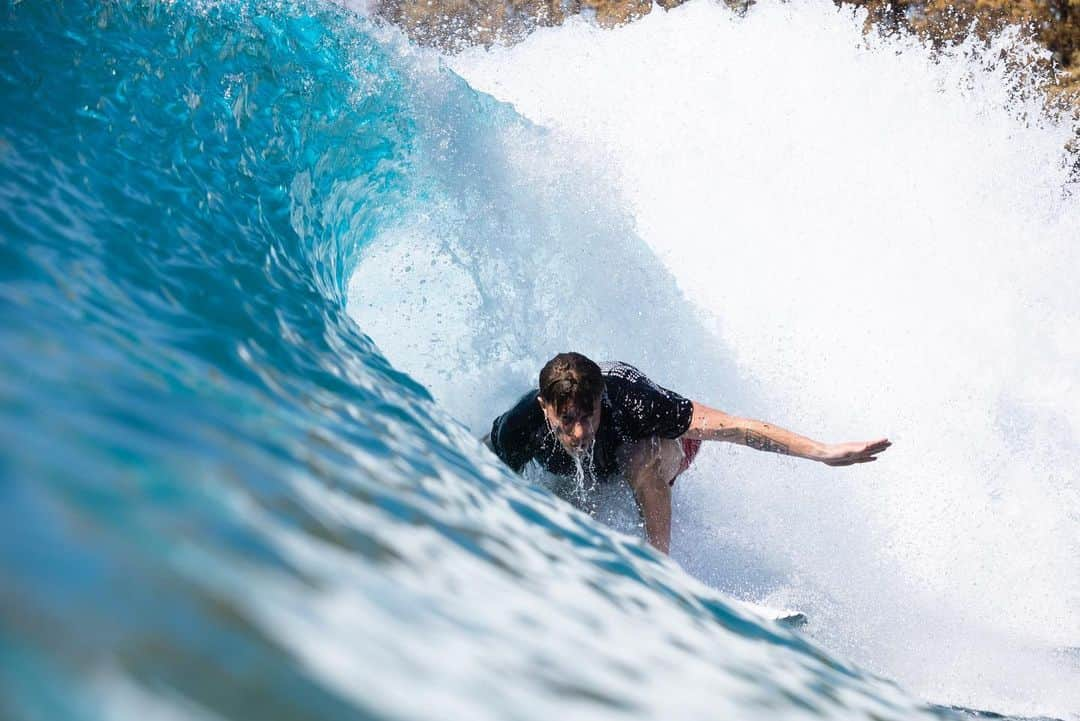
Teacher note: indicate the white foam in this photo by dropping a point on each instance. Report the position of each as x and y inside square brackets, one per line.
[869, 241]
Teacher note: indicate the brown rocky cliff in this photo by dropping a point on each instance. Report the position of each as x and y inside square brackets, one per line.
[453, 24]
[1052, 24]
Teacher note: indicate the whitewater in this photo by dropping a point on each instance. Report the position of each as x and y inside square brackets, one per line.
[867, 238]
[268, 270]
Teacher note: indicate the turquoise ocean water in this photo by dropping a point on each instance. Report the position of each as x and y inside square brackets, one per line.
[217, 499]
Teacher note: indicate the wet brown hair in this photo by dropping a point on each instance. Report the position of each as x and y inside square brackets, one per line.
[570, 381]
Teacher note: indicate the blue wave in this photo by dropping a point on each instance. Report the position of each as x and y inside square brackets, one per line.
[218, 499]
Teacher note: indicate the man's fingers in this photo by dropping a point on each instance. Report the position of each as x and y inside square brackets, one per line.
[851, 460]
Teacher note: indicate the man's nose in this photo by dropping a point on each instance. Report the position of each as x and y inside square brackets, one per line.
[577, 431]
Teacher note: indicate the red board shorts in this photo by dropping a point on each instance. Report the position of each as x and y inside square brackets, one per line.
[690, 448]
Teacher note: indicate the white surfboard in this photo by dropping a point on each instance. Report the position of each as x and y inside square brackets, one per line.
[786, 616]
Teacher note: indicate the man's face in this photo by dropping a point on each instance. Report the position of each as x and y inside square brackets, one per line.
[572, 428]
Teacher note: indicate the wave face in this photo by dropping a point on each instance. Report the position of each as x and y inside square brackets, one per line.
[219, 498]
[847, 235]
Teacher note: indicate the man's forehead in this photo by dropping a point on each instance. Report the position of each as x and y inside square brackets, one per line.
[568, 410]
[573, 414]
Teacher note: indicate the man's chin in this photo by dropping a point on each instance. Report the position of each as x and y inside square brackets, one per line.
[577, 451]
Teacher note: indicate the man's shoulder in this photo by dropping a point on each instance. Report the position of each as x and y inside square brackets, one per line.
[515, 435]
[619, 370]
[622, 378]
[523, 419]
[641, 407]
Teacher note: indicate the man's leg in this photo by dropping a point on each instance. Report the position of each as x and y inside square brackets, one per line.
[650, 466]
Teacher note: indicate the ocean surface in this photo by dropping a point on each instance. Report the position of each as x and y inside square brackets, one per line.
[267, 270]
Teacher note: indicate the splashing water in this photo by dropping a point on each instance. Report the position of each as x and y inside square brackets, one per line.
[847, 235]
[584, 475]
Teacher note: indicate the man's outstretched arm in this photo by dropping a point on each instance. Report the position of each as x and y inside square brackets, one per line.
[710, 424]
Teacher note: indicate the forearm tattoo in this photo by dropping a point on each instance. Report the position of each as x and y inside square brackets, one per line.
[727, 434]
[761, 443]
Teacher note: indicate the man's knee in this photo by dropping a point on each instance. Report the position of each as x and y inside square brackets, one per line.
[654, 460]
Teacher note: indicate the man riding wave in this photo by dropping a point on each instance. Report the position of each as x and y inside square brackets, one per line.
[609, 420]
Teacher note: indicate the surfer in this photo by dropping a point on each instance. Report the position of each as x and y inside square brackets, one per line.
[607, 421]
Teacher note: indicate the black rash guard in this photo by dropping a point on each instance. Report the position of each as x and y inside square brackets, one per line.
[632, 408]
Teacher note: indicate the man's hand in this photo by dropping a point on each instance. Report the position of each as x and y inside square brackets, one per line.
[845, 454]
